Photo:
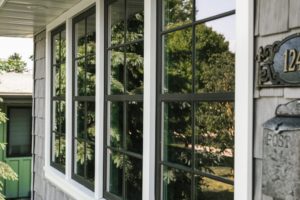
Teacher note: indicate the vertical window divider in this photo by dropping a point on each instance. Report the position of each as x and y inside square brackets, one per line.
[69, 89]
[149, 114]
[99, 98]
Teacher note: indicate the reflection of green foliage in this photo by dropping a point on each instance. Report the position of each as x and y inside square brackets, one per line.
[80, 156]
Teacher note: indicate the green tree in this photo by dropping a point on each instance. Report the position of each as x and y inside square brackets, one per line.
[14, 63]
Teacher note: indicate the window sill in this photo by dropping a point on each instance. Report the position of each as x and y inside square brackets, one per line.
[68, 186]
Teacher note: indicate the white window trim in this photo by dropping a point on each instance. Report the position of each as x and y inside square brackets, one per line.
[243, 170]
[64, 181]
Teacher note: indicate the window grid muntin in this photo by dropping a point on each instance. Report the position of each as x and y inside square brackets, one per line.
[193, 98]
[124, 98]
[56, 98]
[81, 99]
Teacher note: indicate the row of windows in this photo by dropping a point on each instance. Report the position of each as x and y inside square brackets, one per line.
[195, 99]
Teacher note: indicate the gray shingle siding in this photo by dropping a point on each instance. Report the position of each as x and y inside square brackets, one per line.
[274, 20]
[42, 189]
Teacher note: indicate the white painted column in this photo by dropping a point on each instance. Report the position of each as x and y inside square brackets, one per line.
[99, 99]
[69, 115]
[149, 100]
[244, 100]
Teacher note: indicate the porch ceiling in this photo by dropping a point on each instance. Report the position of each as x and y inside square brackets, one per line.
[23, 18]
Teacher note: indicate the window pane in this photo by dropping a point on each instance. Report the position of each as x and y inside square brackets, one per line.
[90, 162]
[56, 49]
[177, 62]
[90, 121]
[177, 137]
[79, 157]
[115, 126]
[214, 138]
[177, 13]
[62, 80]
[58, 149]
[19, 132]
[91, 35]
[134, 137]
[80, 119]
[115, 173]
[80, 39]
[63, 47]
[80, 77]
[208, 8]
[135, 20]
[116, 21]
[56, 80]
[90, 76]
[133, 178]
[116, 71]
[58, 116]
[215, 57]
[176, 184]
[135, 68]
[209, 189]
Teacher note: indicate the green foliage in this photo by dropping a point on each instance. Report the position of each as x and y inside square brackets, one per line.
[14, 63]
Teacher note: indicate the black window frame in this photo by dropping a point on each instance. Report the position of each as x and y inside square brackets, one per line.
[192, 98]
[123, 98]
[82, 16]
[8, 132]
[54, 98]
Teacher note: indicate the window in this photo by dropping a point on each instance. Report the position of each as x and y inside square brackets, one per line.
[19, 132]
[58, 103]
[195, 100]
[84, 75]
[124, 99]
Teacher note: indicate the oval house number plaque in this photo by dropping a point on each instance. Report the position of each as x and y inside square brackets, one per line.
[279, 63]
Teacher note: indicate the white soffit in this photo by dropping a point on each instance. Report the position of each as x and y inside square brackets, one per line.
[23, 18]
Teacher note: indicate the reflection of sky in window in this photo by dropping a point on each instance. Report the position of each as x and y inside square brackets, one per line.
[224, 26]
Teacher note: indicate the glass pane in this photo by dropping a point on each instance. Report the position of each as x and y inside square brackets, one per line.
[135, 20]
[90, 120]
[177, 133]
[80, 77]
[115, 173]
[56, 80]
[90, 162]
[135, 68]
[215, 56]
[177, 13]
[55, 148]
[178, 62]
[208, 8]
[58, 116]
[91, 35]
[62, 79]
[80, 39]
[62, 150]
[116, 21]
[63, 47]
[116, 82]
[133, 178]
[90, 76]
[176, 184]
[115, 126]
[209, 189]
[134, 137]
[19, 132]
[79, 157]
[56, 49]
[214, 138]
[79, 119]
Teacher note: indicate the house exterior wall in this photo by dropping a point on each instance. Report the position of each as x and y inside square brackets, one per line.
[42, 189]
[274, 20]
